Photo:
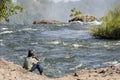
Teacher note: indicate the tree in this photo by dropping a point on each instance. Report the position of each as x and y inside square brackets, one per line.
[75, 12]
[7, 8]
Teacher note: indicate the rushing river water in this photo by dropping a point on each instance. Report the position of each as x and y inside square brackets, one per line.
[62, 48]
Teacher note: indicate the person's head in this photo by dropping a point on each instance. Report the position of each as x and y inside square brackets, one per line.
[31, 53]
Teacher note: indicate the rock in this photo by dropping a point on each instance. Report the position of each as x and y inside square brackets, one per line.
[75, 74]
[84, 18]
[47, 22]
[101, 71]
[11, 71]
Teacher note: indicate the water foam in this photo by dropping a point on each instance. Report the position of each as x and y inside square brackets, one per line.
[111, 63]
[76, 67]
[6, 32]
[95, 23]
[4, 28]
[77, 45]
[86, 23]
[1, 42]
[27, 29]
[54, 42]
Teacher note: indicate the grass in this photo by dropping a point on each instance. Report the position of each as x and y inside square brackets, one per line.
[110, 27]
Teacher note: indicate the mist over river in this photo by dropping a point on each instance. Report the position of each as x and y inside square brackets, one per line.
[63, 49]
[59, 9]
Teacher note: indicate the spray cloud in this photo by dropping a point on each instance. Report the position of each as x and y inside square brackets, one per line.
[60, 9]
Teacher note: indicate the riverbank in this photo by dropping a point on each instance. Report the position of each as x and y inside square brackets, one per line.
[11, 71]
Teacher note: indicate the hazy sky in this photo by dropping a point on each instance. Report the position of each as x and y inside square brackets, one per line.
[64, 0]
[53, 0]
[14, 1]
[61, 11]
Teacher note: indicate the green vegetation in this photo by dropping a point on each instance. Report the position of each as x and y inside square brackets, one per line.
[75, 12]
[110, 27]
[7, 8]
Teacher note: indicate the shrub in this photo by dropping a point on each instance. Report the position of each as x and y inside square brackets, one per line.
[110, 27]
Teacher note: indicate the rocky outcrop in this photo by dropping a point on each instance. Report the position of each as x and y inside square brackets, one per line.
[11, 71]
[84, 18]
[47, 22]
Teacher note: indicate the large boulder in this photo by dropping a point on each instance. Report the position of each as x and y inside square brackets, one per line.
[47, 22]
[84, 18]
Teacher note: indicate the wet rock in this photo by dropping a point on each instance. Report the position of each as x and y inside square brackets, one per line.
[47, 22]
[84, 18]
[75, 74]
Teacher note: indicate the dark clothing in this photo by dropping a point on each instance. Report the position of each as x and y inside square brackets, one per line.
[37, 66]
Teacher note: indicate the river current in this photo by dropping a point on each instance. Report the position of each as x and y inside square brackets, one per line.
[63, 49]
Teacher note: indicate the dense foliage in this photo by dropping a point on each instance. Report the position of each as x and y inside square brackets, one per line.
[7, 8]
[110, 27]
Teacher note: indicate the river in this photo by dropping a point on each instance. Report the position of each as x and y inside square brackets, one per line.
[63, 49]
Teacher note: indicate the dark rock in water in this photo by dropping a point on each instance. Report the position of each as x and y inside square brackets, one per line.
[48, 22]
[84, 18]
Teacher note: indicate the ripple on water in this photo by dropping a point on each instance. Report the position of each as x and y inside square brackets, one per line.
[1, 43]
[64, 48]
[81, 34]
[76, 67]
[110, 63]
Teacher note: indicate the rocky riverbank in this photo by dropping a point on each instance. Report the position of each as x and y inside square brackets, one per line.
[11, 71]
